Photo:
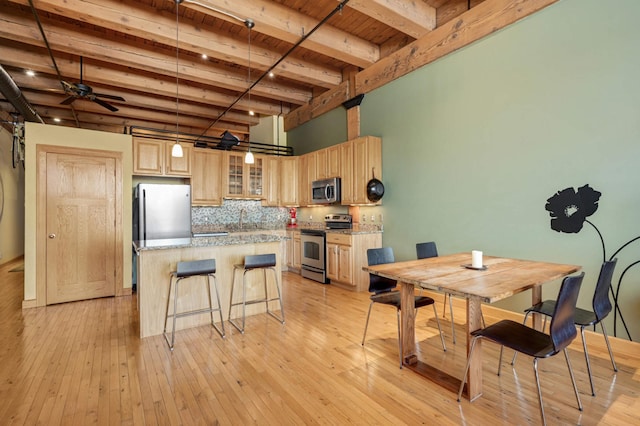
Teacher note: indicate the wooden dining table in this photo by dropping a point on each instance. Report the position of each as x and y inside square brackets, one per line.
[498, 279]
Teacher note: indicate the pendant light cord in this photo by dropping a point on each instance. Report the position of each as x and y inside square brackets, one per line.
[249, 23]
[177, 76]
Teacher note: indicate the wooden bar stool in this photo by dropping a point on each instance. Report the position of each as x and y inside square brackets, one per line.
[196, 268]
[251, 263]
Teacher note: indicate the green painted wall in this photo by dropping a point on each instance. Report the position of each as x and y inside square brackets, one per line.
[326, 130]
[475, 143]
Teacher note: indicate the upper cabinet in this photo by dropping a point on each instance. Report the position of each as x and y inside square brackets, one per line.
[367, 162]
[307, 175]
[360, 158]
[327, 162]
[271, 181]
[288, 179]
[152, 157]
[241, 180]
[206, 177]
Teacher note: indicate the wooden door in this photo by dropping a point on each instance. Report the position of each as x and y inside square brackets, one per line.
[80, 226]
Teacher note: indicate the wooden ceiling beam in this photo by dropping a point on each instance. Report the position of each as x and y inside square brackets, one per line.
[414, 18]
[48, 101]
[476, 23]
[289, 25]
[329, 100]
[484, 19]
[45, 83]
[94, 73]
[160, 61]
[160, 26]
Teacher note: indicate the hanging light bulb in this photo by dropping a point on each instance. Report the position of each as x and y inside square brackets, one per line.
[248, 158]
[176, 151]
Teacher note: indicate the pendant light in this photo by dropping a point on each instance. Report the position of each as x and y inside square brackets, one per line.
[248, 158]
[176, 151]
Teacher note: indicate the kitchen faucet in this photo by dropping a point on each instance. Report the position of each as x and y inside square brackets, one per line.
[242, 212]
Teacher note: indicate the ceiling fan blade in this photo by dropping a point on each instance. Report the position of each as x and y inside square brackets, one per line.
[104, 104]
[68, 101]
[114, 97]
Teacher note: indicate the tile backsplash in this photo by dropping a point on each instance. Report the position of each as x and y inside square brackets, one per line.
[229, 214]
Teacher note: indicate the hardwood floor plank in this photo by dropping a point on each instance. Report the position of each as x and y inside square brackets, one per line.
[83, 362]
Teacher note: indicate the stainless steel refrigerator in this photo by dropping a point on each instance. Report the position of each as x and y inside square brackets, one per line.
[161, 211]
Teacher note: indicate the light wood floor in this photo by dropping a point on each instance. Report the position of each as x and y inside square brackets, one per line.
[82, 363]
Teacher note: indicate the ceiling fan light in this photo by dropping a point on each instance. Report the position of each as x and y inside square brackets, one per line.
[176, 151]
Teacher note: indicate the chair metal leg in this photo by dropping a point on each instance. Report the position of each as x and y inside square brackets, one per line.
[586, 357]
[175, 316]
[366, 325]
[606, 339]
[220, 329]
[444, 305]
[500, 359]
[166, 317]
[266, 296]
[573, 380]
[535, 370]
[435, 312]
[466, 368]
[231, 304]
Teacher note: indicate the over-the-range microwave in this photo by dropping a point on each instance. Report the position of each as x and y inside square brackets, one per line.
[326, 191]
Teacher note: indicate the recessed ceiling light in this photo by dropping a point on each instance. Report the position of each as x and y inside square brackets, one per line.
[271, 74]
[57, 120]
[251, 113]
[30, 73]
[204, 56]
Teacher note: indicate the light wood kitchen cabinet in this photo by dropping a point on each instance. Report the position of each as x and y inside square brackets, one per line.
[294, 259]
[307, 176]
[152, 157]
[346, 255]
[328, 162]
[339, 258]
[288, 180]
[367, 161]
[271, 182]
[206, 177]
[241, 180]
[346, 172]
[333, 161]
[322, 172]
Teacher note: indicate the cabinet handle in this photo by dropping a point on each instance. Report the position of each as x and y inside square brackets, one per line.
[52, 236]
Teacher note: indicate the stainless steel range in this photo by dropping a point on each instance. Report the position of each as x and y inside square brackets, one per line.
[314, 248]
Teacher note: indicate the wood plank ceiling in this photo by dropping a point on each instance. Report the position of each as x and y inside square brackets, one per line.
[128, 49]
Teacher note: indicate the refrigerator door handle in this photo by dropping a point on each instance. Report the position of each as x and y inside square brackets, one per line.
[143, 215]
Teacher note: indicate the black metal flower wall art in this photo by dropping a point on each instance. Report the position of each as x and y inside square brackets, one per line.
[569, 210]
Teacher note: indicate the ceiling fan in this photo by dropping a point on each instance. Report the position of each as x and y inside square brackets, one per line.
[84, 91]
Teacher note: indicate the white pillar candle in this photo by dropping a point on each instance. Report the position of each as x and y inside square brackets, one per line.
[476, 259]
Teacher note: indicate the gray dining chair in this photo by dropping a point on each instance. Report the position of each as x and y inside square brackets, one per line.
[384, 292]
[425, 251]
[584, 318]
[534, 343]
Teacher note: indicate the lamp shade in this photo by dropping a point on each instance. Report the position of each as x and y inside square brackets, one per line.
[176, 151]
[248, 158]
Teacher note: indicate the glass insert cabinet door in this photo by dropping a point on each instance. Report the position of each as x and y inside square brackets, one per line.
[255, 177]
[244, 180]
[235, 175]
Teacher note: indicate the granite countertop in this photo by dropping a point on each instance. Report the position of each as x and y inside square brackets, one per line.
[226, 240]
[234, 229]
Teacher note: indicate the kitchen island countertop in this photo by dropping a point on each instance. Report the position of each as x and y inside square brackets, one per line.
[225, 240]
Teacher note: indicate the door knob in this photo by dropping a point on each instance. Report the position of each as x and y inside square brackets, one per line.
[52, 236]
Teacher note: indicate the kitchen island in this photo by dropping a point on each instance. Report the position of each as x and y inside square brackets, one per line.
[157, 258]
